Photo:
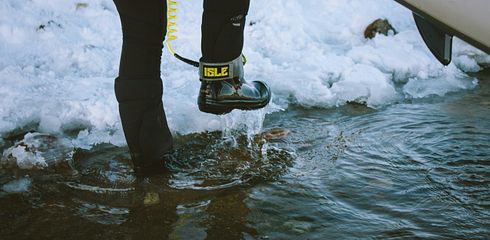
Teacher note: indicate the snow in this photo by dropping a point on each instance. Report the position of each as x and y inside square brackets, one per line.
[58, 62]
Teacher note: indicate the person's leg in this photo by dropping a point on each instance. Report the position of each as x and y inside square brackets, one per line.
[223, 23]
[223, 87]
[139, 87]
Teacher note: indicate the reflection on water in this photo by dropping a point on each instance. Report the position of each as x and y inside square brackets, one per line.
[202, 195]
[418, 169]
[206, 162]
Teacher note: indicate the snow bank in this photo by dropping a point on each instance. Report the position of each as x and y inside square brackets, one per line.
[58, 60]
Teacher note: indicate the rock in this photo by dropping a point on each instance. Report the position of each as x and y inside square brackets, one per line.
[275, 133]
[272, 134]
[378, 26]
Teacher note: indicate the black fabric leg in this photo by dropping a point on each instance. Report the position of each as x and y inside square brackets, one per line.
[143, 26]
[223, 22]
[139, 87]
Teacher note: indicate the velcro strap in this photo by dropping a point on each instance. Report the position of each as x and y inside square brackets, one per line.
[221, 71]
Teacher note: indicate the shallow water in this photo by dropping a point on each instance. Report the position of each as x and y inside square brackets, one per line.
[415, 169]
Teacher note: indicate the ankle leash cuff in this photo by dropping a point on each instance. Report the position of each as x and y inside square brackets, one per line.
[221, 71]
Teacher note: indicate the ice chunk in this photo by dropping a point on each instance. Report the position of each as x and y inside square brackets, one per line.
[17, 186]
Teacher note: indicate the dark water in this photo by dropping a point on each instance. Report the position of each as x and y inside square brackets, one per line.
[417, 169]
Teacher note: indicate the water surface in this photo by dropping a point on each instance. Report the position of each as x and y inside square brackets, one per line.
[415, 169]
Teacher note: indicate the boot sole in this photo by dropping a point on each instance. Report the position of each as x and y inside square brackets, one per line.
[224, 107]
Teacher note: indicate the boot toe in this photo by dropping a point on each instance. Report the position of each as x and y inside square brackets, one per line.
[263, 89]
[223, 97]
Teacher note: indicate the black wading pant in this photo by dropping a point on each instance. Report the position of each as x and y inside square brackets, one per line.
[139, 86]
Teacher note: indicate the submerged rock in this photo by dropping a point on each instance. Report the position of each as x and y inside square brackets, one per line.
[275, 133]
[378, 26]
[151, 198]
[300, 227]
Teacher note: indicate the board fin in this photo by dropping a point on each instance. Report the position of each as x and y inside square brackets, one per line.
[437, 40]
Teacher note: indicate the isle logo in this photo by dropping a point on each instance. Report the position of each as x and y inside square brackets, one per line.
[216, 71]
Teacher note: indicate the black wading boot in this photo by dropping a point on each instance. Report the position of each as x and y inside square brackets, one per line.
[147, 134]
[144, 123]
[223, 88]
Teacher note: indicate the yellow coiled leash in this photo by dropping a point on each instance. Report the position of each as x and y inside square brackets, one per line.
[172, 33]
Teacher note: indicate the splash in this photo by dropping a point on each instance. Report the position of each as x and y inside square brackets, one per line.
[248, 122]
